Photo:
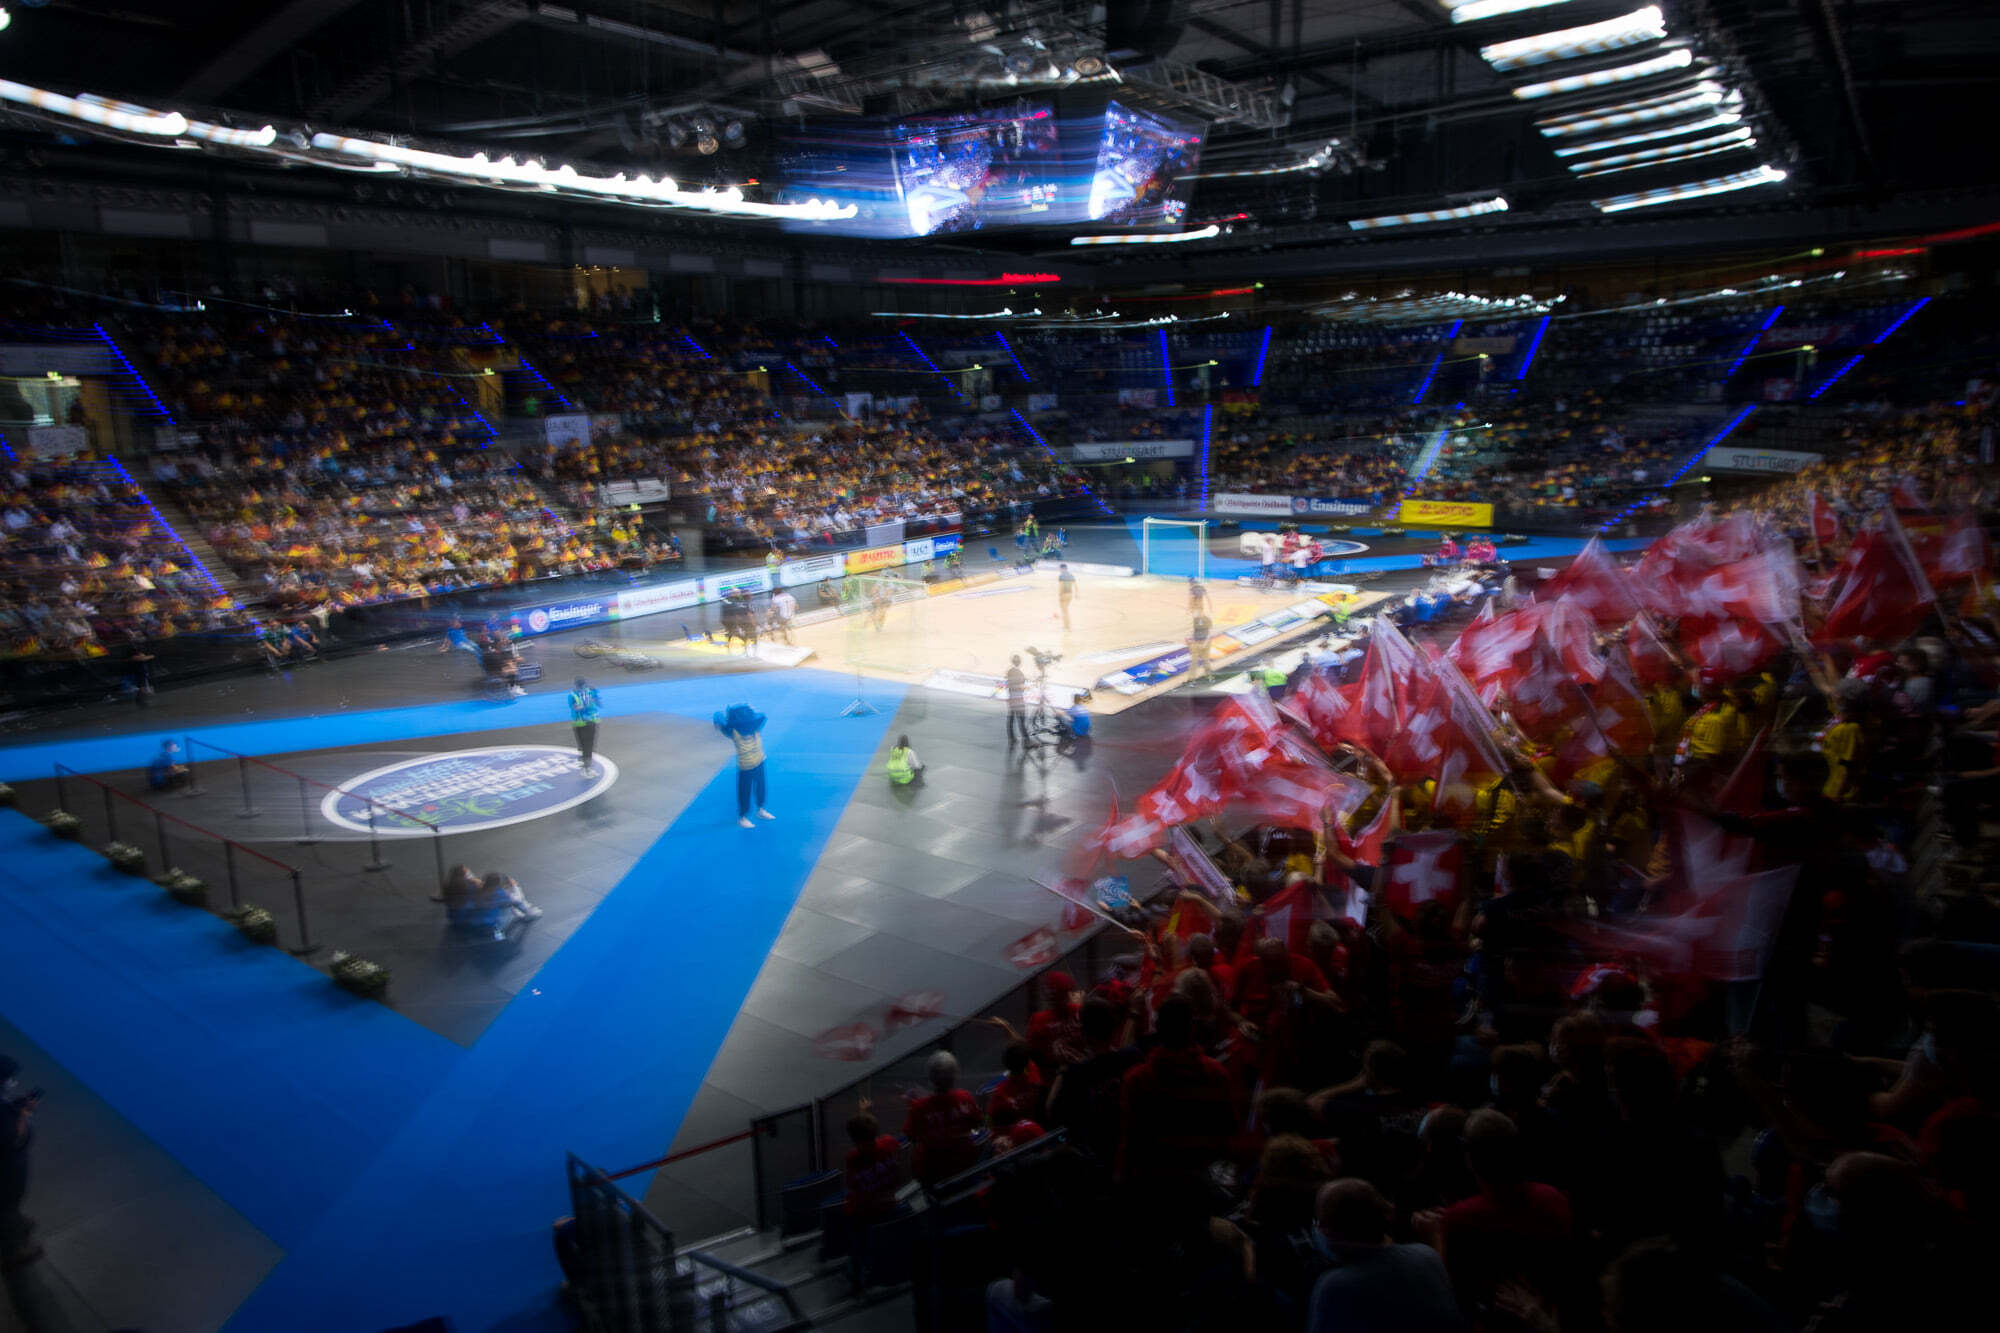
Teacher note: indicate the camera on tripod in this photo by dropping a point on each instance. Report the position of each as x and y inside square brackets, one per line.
[1043, 660]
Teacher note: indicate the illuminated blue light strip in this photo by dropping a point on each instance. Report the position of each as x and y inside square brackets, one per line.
[1257, 375]
[1166, 368]
[811, 381]
[1207, 423]
[700, 351]
[8, 449]
[1534, 346]
[159, 408]
[1036, 436]
[827, 338]
[1728, 429]
[529, 366]
[1835, 377]
[1014, 356]
[1429, 376]
[1901, 320]
[168, 528]
[912, 342]
[1755, 338]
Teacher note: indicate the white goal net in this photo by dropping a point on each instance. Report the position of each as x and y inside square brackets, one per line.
[886, 622]
[1174, 547]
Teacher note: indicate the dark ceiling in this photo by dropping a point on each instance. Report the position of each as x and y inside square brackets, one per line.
[1859, 100]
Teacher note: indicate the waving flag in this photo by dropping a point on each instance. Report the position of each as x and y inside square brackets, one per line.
[1594, 584]
[1884, 594]
[1423, 868]
[1825, 523]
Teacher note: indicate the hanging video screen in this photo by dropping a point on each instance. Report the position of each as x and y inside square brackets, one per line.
[986, 167]
[1140, 163]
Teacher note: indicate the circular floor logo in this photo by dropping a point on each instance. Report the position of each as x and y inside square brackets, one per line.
[1332, 548]
[465, 790]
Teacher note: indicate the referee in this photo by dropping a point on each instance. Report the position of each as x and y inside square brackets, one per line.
[584, 709]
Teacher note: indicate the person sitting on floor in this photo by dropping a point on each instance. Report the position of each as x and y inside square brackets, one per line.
[490, 904]
[904, 766]
[1076, 718]
[166, 772]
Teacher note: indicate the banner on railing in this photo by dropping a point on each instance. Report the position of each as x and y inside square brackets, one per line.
[1450, 513]
[567, 428]
[570, 614]
[1229, 502]
[635, 602]
[795, 573]
[874, 558]
[1097, 451]
[1725, 459]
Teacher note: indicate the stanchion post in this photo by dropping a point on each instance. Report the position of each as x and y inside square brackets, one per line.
[306, 838]
[437, 853]
[249, 811]
[160, 828]
[229, 860]
[193, 787]
[110, 814]
[62, 791]
[299, 902]
[375, 861]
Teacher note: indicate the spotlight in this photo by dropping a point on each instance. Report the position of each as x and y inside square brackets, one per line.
[706, 144]
[1088, 67]
[677, 135]
[732, 134]
[702, 125]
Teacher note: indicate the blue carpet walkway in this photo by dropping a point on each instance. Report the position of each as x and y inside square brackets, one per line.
[404, 1176]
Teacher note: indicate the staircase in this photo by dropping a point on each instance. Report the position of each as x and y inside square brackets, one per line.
[183, 523]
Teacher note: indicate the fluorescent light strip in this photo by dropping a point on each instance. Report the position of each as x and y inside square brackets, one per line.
[196, 129]
[1720, 143]
[1471, 11]
[1164, 238]
[1670, 161]
[479, 169]
[1641, 25]
[1664, 63]
[1708, 91]
[139, 120]
[1742, 180]
[1682, 103]
[1714, 122]
[1493, 205]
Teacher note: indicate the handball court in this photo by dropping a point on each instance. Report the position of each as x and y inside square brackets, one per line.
[234, 1137]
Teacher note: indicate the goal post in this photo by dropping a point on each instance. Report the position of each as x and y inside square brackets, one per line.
[1162, 550]
[886, 622]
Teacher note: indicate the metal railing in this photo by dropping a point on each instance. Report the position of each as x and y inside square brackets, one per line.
[113, 800]
[306, 836]
[628, 1277]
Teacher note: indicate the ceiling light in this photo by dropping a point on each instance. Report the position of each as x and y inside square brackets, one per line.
[97, 111]
[1677, 157]
[1740, 137]
[1156, 238]
[1742, 180]
[706, 144]
[1472, 210]
[1471, 11]
[1628, 113]
[1665, 62]
[1642, 25]
[733, 133]
[1647, 136]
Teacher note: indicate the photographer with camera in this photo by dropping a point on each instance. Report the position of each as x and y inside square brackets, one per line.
[1017, 702]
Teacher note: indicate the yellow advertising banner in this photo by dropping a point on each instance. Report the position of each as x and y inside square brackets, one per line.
[880, 557]
[1444, 513]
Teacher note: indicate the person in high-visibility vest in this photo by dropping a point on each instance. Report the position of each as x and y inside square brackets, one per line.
[904, 766]
[1840, 744]
[1715, 731]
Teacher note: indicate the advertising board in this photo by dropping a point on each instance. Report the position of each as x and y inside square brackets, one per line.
[1449, 513]
[1229, 502]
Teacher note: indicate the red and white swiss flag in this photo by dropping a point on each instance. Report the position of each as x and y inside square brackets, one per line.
[1036, 949]
[919, 1006]
[1423, 868]
[851, 1041]
[1595, 584]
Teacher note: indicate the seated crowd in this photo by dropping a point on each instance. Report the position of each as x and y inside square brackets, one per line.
[86, 566]
[1508, 1106]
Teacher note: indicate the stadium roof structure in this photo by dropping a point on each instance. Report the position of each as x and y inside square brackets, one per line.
[1353, 126]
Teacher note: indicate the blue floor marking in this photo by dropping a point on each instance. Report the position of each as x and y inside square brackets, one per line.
[242, 1062]
[693, 696]
[601, 1054]
[365, 1144]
